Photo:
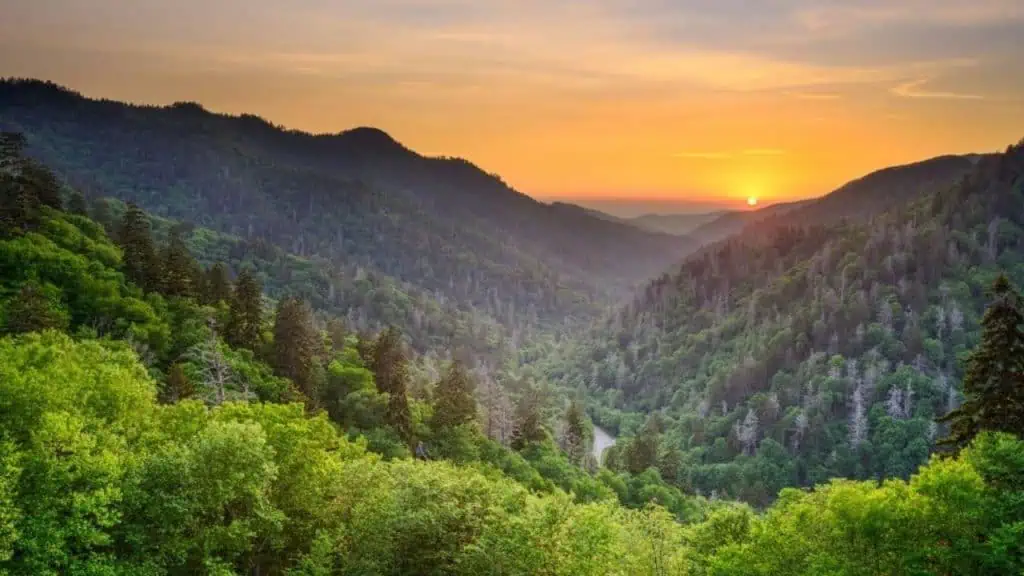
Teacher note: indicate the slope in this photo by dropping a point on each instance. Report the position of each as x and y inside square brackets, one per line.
[787, 354]
[358, 196]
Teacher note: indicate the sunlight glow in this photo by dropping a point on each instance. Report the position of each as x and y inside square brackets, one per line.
[752, 201]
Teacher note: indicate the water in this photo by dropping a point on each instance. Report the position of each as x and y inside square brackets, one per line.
[602, 441]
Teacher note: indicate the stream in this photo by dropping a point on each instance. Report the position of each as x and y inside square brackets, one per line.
[602, 441]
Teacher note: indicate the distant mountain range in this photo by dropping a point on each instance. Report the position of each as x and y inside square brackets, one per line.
[358, 196]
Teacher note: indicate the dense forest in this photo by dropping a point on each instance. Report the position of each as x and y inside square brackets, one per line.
[230, 349]
[788, 354]
[355, 198]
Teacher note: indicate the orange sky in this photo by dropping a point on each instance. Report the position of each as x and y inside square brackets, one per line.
[684, 99]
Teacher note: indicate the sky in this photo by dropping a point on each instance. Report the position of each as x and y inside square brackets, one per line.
[654, 102]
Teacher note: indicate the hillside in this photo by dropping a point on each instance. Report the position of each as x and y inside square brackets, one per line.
[790, 354]
[156, 418]
[358, 196]
[678, 224]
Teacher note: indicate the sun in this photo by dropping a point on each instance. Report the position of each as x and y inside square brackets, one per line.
[752, 201]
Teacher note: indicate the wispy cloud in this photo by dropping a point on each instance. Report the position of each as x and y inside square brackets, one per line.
[915, 89]
[764, 152]
[815, 95]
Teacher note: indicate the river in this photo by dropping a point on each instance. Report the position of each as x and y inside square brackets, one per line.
[602, 441]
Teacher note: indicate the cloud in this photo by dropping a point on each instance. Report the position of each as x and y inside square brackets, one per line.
[764, 152]
[814, 95]
[913, 89]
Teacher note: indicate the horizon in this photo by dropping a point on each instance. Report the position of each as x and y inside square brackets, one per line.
[675, 104]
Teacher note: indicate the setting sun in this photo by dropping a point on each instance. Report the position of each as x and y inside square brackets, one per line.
[752, 201]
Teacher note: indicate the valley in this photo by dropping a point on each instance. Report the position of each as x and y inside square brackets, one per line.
[233, 348]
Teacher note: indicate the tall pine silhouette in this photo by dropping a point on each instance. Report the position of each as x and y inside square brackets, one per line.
[141, 265]
[454, 403]
[390, 370]
[994, 380]
[179, 267]
[245, 316]
[296, 345]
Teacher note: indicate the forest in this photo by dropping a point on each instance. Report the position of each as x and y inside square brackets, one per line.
[181, 394]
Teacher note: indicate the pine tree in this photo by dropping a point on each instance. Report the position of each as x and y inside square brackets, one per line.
[32, 310]
[77, 204]
[216, 287]
[178, 387]
[994, 381]
[42, 183]
[529, 426]
[12, 148]
[295, 345]
[390, 370]
[575, 435]
[245, 316]
[178, 266]
[336, 333]
[454, 402]
[101, 214]
[140, 261]
[642, 452]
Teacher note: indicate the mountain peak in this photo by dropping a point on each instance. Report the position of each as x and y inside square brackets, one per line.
[369, 139]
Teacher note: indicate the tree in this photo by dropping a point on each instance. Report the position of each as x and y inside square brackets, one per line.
[34, 310]
[994, 379]
[454, 403]
[77, 204]
[178, 387]
[575, 434]
[42, 183]
[178, 266]
[245, 316]
[296, 345]
[390, 370]
[529, 426]
[216, 285]
[140, 262]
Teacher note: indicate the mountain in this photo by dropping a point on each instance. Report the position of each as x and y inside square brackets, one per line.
[801, 350]
[730, 223]
[678, 224]
[357, 197]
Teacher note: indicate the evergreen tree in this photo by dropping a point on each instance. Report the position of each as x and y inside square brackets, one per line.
[33, 310]
[178, 387]
[336, 333]
[216, 284]
[245, 317]
[42, 183]
[575, 435]
[77, 204]
[994, 380]
[390, 370]
[529, 426]
[140, 260]
[178, 266]
[642, 452]
[454, 402]
[102, 214]
[295, 345]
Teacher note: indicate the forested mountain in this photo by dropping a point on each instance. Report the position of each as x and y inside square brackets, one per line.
[793, 353]
[678, 224]
[157, 418]
[355, 198]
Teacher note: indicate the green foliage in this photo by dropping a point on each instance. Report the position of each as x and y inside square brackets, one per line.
[454, 402]
[245, 319]
[994, 381]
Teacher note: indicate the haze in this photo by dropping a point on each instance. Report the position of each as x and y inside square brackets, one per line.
[632, 102]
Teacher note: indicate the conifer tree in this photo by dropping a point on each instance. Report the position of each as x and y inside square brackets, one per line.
[178, 266]
[12, 147]
[337, 334]
[390, 370]
[32, 310]
[178, 387]
[575, 435]
[642, 452]
[141, 265]
[529, 426]
[101, 214]
[77, 204]
[216, 284]
[42, 183]
[245, 316]
[994, 381]
[454, 403]
[295, 345]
